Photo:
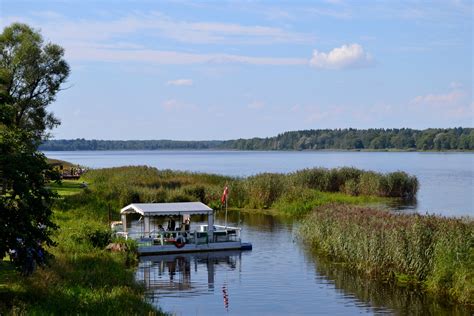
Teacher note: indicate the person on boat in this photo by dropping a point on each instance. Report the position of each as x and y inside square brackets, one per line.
[161, 230]
[186, 224]
[171, 224]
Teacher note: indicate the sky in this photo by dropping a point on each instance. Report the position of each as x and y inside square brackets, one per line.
[202, 70]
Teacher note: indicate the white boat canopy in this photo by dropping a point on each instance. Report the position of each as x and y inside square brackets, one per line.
[164, 209]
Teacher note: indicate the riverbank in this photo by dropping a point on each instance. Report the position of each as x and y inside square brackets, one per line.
[83, 277]
[90, 279]
[433, 253]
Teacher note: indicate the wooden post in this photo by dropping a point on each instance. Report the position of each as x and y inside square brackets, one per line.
[110, 215]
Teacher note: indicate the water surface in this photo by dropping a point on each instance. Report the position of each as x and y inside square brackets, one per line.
[278, 277]
[446, 179]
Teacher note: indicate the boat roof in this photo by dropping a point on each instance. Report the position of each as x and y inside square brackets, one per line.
[162, 209]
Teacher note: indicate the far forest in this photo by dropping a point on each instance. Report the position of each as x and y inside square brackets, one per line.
[432, 139]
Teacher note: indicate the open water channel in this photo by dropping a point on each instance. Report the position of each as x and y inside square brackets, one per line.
[280, 276]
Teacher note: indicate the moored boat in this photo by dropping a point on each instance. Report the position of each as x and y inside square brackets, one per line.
[180, 235]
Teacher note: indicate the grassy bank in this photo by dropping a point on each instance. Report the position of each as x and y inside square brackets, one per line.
[293, 193]
[435, 253]
[82, 278]
[85, 278]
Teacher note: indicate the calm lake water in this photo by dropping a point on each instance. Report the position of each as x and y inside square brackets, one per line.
[446, 179]
[280, 276]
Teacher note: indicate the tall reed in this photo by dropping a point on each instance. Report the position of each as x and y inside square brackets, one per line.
[434, 251]
[124, 185]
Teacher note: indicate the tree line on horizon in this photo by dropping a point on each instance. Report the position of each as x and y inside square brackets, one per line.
[440, 139]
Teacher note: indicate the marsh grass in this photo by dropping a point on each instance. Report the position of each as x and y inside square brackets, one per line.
[84, 278]
[301, 190]
[436, 253]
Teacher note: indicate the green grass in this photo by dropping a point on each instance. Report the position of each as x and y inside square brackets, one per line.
[124, 185]
[82, 278]
[301, 202]
[67, 187]
[437, 253]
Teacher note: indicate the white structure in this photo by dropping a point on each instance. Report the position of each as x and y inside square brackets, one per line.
[152, 237]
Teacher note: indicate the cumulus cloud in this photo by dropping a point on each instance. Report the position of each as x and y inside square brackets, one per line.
[180, 82]
[346, 56]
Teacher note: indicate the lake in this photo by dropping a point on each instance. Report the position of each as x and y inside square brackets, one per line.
[446, 179]
[280, 276]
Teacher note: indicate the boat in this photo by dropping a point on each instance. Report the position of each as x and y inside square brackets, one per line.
[154, 239]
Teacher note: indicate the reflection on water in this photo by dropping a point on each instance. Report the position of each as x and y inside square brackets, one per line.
[170, 276]
[382, 296]
[278, 277]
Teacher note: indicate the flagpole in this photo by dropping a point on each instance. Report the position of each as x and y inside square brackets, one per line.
[226, 211]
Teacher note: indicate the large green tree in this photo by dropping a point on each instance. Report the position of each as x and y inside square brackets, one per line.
[31, 74]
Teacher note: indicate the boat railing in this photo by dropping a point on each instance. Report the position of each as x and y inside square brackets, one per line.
[200, 236]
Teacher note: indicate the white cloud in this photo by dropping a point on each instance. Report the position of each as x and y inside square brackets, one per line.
[180, 82]
[437, 100]
[90, 40]
[456, 104]
[172, 104]
[455, 85]
[346, 56]
[337, 14]
[94, 53]
[156, 24]
[256, 105]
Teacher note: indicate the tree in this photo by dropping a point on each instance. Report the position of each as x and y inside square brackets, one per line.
[31, 73]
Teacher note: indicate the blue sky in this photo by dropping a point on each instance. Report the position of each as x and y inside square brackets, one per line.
[221, 70]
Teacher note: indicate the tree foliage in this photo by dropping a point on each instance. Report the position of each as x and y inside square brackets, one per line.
[341, 139]
[31, 74]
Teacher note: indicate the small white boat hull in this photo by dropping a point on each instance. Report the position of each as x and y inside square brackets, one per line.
[216, 246]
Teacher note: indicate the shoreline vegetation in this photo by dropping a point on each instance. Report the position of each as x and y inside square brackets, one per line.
[429, 252]
[404, 139]
[330, 203]
[82, 277]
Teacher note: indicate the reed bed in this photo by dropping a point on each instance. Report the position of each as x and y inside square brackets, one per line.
[124, 185]
[434, 252]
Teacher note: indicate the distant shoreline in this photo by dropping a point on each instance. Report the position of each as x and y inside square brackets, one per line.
[404, 139]
[272, 150]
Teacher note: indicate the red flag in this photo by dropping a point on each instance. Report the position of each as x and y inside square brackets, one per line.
[224, 195]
